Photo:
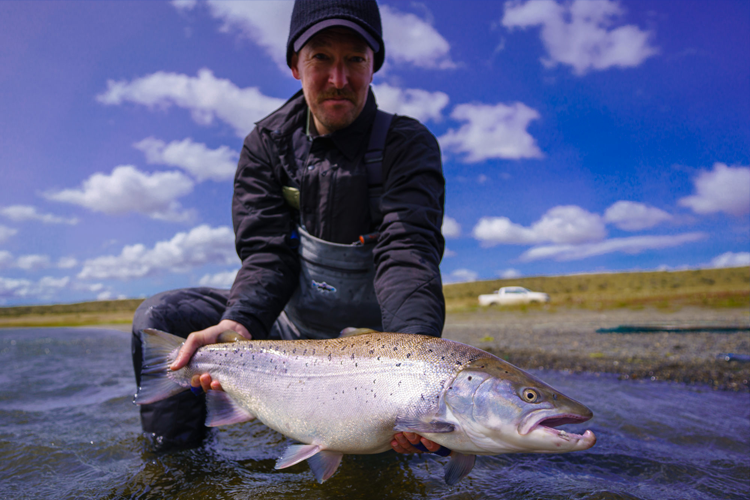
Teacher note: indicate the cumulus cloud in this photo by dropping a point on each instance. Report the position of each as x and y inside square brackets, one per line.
[45, 288]
[21, 213]
[411, 40]
[630, 245]
[723, 189]
[6, 233]
[567, 224]
[451, 228]
[731, 259]
[185, 251]
[510, 273]
[219, 280]
[194, 157]
[497, 131]
[416, 103]
[582, 34]
[205, 96]
[127, 189]
[6, 259]
[460, 276]
[633, 216]
[67, 262]
[32, 262]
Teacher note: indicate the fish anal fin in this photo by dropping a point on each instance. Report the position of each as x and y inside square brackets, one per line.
[295, 454]
[412, 424]
[353, 332]
[324, 464]
[458, 467]
[223, 410]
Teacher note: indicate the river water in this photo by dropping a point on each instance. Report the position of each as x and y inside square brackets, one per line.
[68, 429]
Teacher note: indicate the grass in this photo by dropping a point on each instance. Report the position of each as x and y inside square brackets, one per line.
[667, 290]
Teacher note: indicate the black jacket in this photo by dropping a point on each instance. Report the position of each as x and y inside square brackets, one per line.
[334, 207]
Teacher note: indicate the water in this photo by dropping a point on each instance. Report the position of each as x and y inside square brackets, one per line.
[68, 429]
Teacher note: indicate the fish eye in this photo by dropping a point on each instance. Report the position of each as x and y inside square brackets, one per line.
[530, 395]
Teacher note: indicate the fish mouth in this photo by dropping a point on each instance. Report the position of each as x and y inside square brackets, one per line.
[548, 422]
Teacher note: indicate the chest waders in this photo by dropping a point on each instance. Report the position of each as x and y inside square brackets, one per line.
[336, 281]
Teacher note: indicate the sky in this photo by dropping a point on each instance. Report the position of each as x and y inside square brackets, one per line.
[577, 137]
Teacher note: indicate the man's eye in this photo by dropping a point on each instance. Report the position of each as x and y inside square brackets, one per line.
[320, 57]
[357, 59]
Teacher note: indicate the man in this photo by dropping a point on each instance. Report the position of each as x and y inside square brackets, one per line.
[324, 171]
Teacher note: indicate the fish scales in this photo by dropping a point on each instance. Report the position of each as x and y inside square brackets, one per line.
[295, 387]
[351, 394]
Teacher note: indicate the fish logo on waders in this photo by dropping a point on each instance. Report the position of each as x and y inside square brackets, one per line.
[323, 287]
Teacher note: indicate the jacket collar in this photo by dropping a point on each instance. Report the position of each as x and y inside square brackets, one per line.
[292, 115]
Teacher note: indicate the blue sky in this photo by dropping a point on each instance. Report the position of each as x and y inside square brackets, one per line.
[582, 136]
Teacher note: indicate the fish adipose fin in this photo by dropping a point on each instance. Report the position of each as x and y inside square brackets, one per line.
[353, 332]
[159, 349]
[410, 424]
[324, 464]
[223, 410]
[458, 467]
[295, 454]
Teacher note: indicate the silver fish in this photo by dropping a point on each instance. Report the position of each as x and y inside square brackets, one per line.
[349, 395]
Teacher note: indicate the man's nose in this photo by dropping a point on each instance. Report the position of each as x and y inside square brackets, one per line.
[339, 75]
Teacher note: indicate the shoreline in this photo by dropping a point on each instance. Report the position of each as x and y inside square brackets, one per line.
[566, 340]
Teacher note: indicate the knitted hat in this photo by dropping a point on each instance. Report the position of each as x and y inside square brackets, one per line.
[311, 16]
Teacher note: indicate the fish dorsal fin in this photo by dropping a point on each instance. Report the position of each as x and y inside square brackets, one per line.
[458, 467]
[353, 332]
[295, 454]
[223, 410]
[411, 424]
[324, 464]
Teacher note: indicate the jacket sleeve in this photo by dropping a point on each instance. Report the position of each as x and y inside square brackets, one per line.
[408, 252]
[263, 225]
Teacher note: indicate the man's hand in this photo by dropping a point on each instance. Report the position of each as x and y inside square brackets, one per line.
[403, 441]
[206, 337]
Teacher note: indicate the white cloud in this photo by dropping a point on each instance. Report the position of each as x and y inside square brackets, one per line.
[416, 103]
[460, 276]
[184, 4]
[206, 96]
[633, 216]
[186, 250]
[196, 158]
[264, 22]
[510, 273]
[412, 40]
[109, 295]
[724, 189]
[582, 34]
[219, 280]
[567, 224]
[451, 228]
[32, 262]
[45, 288]
[20, 213]
[731, 259]
[630, 245]
[129, 190]
[497, 131]
[6, 259]
[67, 262]
[449, 253]
[6, 233]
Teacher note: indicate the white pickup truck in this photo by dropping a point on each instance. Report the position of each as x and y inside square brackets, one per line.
[511, 295]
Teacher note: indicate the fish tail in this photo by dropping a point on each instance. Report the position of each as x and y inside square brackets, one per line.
[159, 351]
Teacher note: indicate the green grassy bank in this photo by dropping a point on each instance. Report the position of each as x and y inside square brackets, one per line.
[711, 288]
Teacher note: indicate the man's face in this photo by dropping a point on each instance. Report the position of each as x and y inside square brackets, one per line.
[335, 68]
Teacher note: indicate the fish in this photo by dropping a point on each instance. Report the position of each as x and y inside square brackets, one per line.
[351, 394]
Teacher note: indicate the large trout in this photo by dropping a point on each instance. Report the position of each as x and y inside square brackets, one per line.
[351, 394]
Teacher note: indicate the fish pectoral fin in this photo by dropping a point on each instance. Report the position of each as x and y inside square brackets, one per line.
[295, 454]
[324, 464]
[458, 467]
[223, 410]
[410, 424]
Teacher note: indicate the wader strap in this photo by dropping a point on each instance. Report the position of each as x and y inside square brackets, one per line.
[374, 163]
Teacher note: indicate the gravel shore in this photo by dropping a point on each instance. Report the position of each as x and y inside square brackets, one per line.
[567, 340]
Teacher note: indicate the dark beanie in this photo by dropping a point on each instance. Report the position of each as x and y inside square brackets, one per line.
[311, 16]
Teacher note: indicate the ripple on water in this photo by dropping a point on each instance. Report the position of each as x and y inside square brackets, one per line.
[72, 432]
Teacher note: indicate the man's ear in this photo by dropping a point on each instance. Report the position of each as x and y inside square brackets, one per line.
[293, 66]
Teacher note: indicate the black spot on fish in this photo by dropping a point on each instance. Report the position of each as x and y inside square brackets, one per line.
[395, 348]
[469, 377]
[442, 358]
[408, 355]
[398, 364]
[458, 363]
[329, 356]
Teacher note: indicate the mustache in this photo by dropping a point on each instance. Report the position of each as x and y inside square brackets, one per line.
[337, 94]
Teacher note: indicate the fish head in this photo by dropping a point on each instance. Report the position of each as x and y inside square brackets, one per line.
[503, 409]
